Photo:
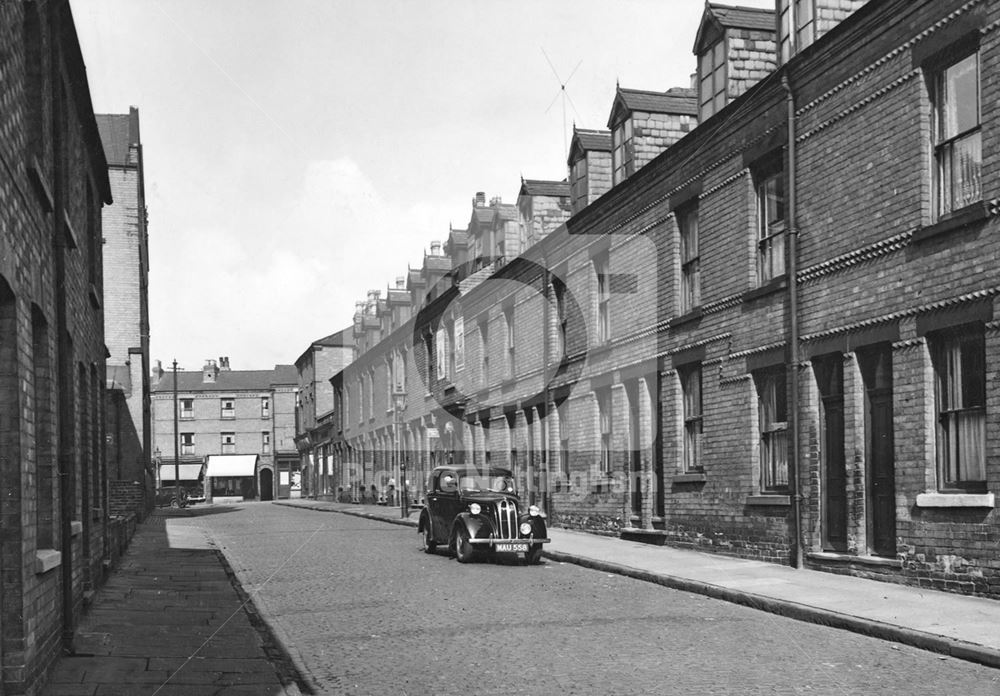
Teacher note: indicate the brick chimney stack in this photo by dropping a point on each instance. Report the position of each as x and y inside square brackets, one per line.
[480, 200]
[209, 372]
[436, 245]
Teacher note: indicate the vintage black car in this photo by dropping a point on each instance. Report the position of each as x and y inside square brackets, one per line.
[167, 496]
[476, 511]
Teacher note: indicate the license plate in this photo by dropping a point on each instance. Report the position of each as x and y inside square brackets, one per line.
[513, 547]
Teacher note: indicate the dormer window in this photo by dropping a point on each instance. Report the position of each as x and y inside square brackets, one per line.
[621, 153]
[578, 179]
[796, 27]
[712, 80]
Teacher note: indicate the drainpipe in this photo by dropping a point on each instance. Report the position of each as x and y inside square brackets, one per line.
[798, 548]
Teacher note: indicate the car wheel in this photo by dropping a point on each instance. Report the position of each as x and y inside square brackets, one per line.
[533, 555]
[463, 549]
[430, 546]
[174, 503]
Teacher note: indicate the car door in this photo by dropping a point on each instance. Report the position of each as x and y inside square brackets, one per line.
[442, 501]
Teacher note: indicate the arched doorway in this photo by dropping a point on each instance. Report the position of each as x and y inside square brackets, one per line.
[266, 484]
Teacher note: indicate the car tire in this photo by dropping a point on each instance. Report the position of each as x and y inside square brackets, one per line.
[174, 503]
[429, 545]
[463, 549]
[533, 555]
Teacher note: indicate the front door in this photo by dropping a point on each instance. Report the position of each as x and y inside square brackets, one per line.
[830, 377]
[876, 367]
[266, 484]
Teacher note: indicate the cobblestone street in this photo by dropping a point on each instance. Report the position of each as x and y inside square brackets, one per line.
[365, 611]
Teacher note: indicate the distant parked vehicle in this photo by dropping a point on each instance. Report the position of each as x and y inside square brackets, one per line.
[166, 496]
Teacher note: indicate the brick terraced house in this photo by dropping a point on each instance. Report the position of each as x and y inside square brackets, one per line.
[323, 358]
[767, 325]
[56, 542]
[235, 435]
[126, 318]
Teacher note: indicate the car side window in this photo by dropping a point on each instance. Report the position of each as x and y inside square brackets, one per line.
[448, 483]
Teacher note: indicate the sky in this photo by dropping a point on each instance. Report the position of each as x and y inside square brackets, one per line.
[301, 152]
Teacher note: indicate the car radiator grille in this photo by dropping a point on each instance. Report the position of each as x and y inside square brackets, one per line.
[506, 520]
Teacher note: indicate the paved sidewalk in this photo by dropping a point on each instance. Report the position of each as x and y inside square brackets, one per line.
[171, 622]
[964, 627]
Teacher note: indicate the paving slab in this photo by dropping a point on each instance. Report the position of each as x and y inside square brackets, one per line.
[170, 621]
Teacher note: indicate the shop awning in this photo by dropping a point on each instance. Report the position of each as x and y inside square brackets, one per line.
[231, 465]
[189, 472]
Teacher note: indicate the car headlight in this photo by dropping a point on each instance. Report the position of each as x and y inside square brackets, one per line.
[525, 528]
[533, 511]
[474, 508]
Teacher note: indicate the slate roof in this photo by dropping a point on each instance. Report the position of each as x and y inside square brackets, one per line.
[537, 187]
[118, 133]
[738, 17]
[483, 214]
[226, 380]
[344, 337]
[593, 139]
[677, 100]
[285, 374]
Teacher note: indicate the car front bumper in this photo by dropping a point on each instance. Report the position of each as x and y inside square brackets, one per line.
[493, 541]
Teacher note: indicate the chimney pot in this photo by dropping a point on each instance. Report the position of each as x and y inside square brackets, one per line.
[480, 200]
[400, 282]
[435, 248]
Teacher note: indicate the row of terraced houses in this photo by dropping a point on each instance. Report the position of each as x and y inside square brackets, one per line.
[758, 317]
[75, 474]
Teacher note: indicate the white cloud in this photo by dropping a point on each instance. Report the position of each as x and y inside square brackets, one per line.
[271, 294]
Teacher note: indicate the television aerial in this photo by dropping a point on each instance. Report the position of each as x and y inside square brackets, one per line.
[564, 95]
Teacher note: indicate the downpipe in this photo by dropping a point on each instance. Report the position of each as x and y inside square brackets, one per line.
[798, 548]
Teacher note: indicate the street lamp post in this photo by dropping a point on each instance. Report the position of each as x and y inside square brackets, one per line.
[399, 403]
[177, 461]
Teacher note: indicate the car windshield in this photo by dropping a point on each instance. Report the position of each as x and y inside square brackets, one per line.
[496, 484]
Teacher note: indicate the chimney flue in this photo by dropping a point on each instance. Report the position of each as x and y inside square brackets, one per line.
[436, 247]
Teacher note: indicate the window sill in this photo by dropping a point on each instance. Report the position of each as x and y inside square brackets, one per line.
[692, 477]
[956, 500]
[769, 288]
[955, 220]
[689, 318]
[46, 560]
[769, 499]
